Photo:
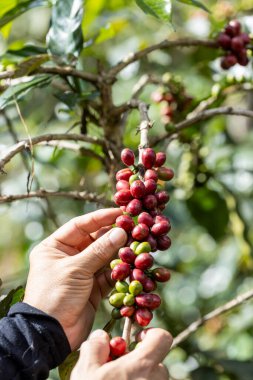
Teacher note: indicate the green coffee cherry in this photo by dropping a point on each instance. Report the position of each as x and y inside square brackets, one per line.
[116, 300]
[134, 245]
[116, 313]
[129, 300]
[143, 247]
[133, 178]
[135, 287]
[115, 262]
[121, 286]
[132, 346]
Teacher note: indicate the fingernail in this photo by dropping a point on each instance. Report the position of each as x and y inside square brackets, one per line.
[97, 334]
[118, 236]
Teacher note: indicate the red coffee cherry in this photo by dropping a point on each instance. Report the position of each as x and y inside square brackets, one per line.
[150, 186]
[127, 311]
[146, 218]
[163, 243]
[236, 25]
[138, 189]
[122, 197]
[125, 222]
[228, 61]
[144, 261]
[127, 157]
[230, 30]
[161, 274]
[151, 174]
[245, 38]
[120, 272]
[134, 207]
[237, 43]
[138, 275]
[161, 218]
[224, 41]
[143, 316]
[149, 285]
[160, 228]
[152, 241]
[148, 158]
[160, 159]
[122, 185]
[149, 202]
[127, 255]
[117, 346]
[140, 232]
[150, 301]
[162, 197]
[124, 174]
[165, 174]
[243, 60]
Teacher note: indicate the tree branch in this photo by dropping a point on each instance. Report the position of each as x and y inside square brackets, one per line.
[76, 195]
[162, 45]
[213, 314]
[203, 116]
[126, 335]
[25, 144]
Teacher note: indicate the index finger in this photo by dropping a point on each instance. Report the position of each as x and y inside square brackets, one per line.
[76, 232]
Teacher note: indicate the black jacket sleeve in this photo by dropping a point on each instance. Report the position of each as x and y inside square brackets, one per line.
[31, 343]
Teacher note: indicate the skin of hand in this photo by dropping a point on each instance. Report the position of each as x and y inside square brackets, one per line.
[69, 272]
[144, 363]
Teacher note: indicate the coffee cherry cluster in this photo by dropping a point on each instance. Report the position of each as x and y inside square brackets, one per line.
[235, 43]
[139, 196]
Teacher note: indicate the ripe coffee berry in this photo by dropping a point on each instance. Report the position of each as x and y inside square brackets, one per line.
[150, 186]
[162, 197]
[165, 174]
[161, 274]
[160, 228]
[134, 207]
[117, 346]
[146, 218]
[150, 301]
[138, 275]
[124, 174]
[125, 222]
[122, 197]
[127, 311]
[163, 243]
[137, 189]
[127, 157]
[151, 174]
[140, 232]
[153, 242]
[148, 158]
[149, 202]
[127, 255]
[160, 159]
[149, 285]
[122, 185]
[143, 316]
[120, 271]
[144, 261]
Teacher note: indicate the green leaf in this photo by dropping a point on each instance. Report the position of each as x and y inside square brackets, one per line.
[195, 3]
[160, 9]
[14, 296]
[21, 89]
[206, 373]
[67, 366]
[29, 65]
[65, 38]
[25, 50]
[20, 8]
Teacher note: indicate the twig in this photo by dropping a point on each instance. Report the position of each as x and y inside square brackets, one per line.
[213, 314]
[76, 195]
[203, 116]
[144, 127]
[126, 335]
[162, 45]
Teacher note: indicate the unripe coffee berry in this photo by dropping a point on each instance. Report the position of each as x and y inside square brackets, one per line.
[121, 286]
[144, 261]
[115, 262]
[116, 299]
[129, 300]
[117, 346]
[116, 313]
[120, 272]
[148, 158]
[127, 255]
[133, 178]
[127, 157]
[134, 207]
[142, 248]
[135, 287]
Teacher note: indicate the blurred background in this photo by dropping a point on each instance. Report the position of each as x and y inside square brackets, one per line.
[211, 207]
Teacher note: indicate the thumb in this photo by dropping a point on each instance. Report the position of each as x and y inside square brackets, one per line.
[95, 351]
[98, 254]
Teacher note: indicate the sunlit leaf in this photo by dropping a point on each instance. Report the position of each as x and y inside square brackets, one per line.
[14, 296]
[67, 366]
[195, 3]
[160, 9]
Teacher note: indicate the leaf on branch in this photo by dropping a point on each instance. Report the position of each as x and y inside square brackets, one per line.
[16, 92]
[20, 8]
[65, 38]
[23, 51]
[14, 296]
[195, 3]
[29, 65]
[160, 9]
[67, 366]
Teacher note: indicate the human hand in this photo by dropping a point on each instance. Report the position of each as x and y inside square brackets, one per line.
[144, 363]
[68, 275]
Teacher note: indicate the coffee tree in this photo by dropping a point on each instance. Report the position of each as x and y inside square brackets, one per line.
[99, 100]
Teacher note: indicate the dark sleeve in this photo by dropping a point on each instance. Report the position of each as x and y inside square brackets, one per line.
[31, 343]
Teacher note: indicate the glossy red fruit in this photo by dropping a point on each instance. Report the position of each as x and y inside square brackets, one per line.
[117, 346]
[134, 207]
[149, 285]
[127, 311]
[127, 157]
[122, 197]
[127, 255]
[150, 301]
[149, 202]
[150, 174]
[124, 174]
[148, 158]
[140, 232]
[122, 185]
[243, 60]
[160, 159]
[152, 241]
[224, 41]
[150, 186]
[161, 274]
[245, 38]
[237, 43]
[162, 197]
[144, 261]
[138, 189]
[120, 272]
[125, 222]
[138, 275]
[143, 316]
[165, 174]
[230, 31]
[160, 228]
[161, 218]
[236, 25]
[228, 61]
[163, 243]
[146, 218]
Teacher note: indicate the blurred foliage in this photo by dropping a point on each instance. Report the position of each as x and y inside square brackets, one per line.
[211, 206]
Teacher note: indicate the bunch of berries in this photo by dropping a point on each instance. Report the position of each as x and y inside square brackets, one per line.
[142, 202]
[235, 43]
